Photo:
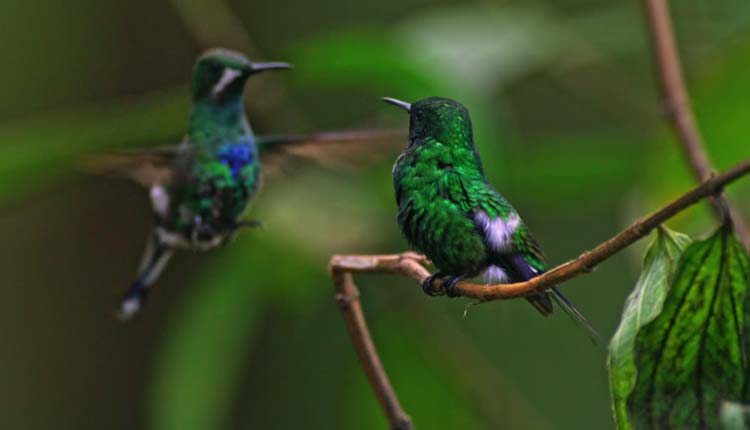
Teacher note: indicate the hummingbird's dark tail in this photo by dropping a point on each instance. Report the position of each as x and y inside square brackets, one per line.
[575, 314]
[155, 258]
[542, 303]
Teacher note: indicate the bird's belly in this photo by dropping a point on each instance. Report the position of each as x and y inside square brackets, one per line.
[218, 201]
[447, 237]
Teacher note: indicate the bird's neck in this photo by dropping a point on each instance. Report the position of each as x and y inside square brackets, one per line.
[443, 157]
[211, 120]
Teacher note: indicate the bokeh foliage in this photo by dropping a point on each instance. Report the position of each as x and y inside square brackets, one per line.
[567, 120]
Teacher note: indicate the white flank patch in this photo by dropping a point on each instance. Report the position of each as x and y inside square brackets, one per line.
[494, 275]
[227, 77]
[498, 232]
[159, 200]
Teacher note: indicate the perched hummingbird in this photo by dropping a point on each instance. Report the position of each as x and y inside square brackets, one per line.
[207, 182]
[448, 210]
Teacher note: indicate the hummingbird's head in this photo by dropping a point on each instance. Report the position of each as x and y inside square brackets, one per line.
[219, 75]
[441, 118]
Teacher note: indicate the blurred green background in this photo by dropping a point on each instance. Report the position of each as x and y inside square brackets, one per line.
[567, 119]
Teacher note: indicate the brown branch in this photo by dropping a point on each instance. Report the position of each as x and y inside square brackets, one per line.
[347, 297]
[411, 265]
[677, 105]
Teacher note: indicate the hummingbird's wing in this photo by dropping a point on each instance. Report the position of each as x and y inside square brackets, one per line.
[526, 245]
[151, 166]
[338, 149]
[147, 166]
[509, 244]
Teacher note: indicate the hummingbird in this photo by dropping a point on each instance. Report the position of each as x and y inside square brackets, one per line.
[201, 188]
[206, 183]
[448, 210]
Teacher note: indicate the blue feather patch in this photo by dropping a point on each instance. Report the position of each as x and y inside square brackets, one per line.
[236, 156]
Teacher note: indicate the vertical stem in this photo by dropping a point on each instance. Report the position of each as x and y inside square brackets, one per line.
[347, 297]
[677, 105]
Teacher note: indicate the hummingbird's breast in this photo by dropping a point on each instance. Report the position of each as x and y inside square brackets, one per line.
[217, 184]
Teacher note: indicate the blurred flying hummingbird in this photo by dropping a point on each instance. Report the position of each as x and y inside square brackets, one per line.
[448, 210]
[200, 188]
[207, 182]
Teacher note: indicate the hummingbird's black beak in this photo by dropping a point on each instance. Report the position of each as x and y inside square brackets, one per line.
[399, 103]
[260, 67]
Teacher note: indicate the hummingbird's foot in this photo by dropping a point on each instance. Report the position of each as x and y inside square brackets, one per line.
[450, 285]
[427, 285]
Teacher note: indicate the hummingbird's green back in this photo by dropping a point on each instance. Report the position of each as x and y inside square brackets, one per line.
[448, 210]
[441, 187]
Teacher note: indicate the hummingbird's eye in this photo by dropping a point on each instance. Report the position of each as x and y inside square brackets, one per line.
[214, 66]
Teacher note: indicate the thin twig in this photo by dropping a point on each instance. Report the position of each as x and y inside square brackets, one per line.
[411, 265]
[677, 105]
[347, 297]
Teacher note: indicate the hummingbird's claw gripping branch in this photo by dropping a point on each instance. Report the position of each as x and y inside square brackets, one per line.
[411, 265]
[449, 286]
[677, 106]
[428, 285]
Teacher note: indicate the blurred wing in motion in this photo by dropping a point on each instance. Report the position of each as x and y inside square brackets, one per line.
[345, 149]
[146, 166]
[280, 152]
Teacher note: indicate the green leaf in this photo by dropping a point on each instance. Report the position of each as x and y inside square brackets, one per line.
[643, 305]
[735, 416]
[694, 354]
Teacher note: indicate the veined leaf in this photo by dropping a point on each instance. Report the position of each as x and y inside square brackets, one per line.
[694, 355]
[643, 305]
[735, 416]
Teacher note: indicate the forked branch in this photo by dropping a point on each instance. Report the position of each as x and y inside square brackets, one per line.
[677, 105]
[411, 265]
